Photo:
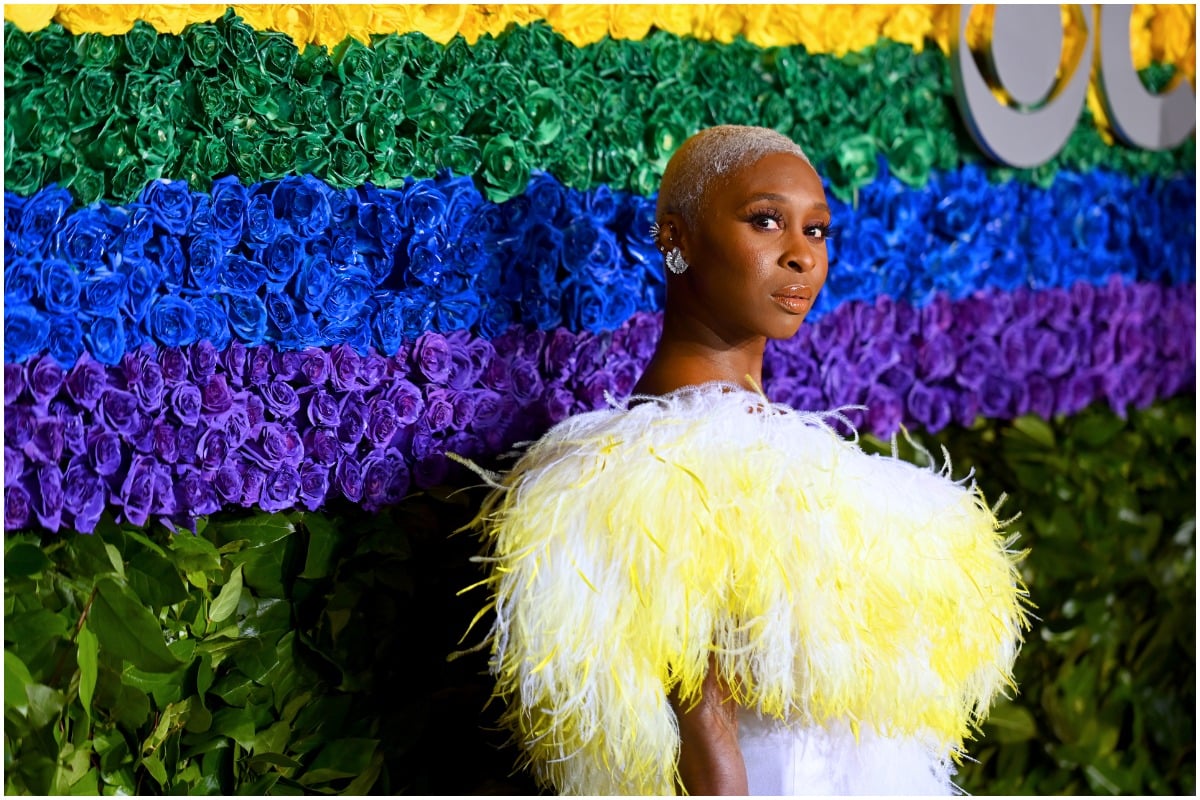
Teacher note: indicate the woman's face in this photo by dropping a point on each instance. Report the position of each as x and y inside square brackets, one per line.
[757, 250]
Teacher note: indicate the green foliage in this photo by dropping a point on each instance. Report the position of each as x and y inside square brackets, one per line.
[306, 653]
[1107, 676]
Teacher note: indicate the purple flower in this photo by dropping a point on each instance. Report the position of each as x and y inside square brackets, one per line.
[314, 365]
[321, 445]
[323, 408]
[253, 480]
[185, 403]
[86, 381]
[228, 483]
[45, 378]
[174, 364]
[281, 400]
[195, 494]
[234, 359]
[14, 382]
[526, 383]
[408, 401]
[260, 365]
[353, 422]
[104, 451]
[166, 442]
[118, 411]
[995, 396]
[279, 489]
[314, 485]
[83, 496]
[204, 361]
[559, 403]
[346, 368]
[215, 396]
[14, 465]
[385, 479]
[348, 477]
[929, 406]
[136, 496]
[439, 413]
[382, 422]
[18, 507]
[497, 376]
[432, 357]
[431, 470]
[1035, 395]
[488, 410]
[212, 449]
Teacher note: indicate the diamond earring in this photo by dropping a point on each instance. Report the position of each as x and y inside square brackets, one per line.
[675, 261]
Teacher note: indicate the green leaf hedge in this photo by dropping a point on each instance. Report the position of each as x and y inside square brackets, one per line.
[306, 653]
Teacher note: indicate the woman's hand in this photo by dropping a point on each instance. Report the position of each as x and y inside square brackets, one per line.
[710, 760]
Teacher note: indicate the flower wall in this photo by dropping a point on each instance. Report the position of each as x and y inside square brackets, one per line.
[275, 262]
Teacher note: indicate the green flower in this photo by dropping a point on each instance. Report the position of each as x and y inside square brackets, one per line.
[391, 53]
[505, 171]
[312, 153]
[204, 45]
[353, 106]
[312, 109]
[94, 95]
[240, 40]
[18, 51]
[254, 88]
[460, 154]
[377, 132]
[246, 148]
[911, 157]
[313, 65]
[277, 55]
[457, 59]
[86, 184]
[54, 50]
[139, 43]
[23, 175]
[776, 111]
[666, 53]
[220, 100]
[645, 178]
[279, 157]
[545, 115]
[347, 163]
[92, 50]
[664, 133]
[356, 63]
[400, 161]
[168, 53]
[129, 179]
[155, 138]
[853, 164]
[571, 160]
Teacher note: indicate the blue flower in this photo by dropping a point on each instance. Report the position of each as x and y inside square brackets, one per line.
[314, 281]
[166, 253]
[303, 204]
[347, 295]
[282, 259]
[88, 234]
[65, 339]
[228, 210]
[458, 311]
[261, 224]
[242, 276]
[105, 339]
[424, 207]
[173, 321]
[40, 218]
[20, 281]
[103, 293]
[212, 323]
[58, 285]
[171, 204]
[247, 317]
[206, 262]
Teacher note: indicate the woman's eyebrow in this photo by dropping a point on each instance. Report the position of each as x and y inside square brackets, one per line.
[779, 198]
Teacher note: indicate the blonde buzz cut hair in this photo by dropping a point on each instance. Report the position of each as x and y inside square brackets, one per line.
[710, 155]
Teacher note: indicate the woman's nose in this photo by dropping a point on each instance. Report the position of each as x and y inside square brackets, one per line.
[800, 256]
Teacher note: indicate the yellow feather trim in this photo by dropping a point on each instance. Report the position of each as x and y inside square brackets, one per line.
[629, 544]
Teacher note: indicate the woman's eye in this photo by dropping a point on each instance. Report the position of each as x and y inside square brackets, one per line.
[766, 222]
[818, 232]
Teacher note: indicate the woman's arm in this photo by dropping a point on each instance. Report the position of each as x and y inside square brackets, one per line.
[710, 760]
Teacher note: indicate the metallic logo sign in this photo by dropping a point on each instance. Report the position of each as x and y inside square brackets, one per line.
[1036, 110]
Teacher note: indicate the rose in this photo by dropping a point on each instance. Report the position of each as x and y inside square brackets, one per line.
[316, 278]
[212, 323]
[280, 489]
[14, 465]
[929, 406]
[459, 310]
[261, 225]
[302, 203]
[195, 495]
[978, 359]
[431, 357]
[18, 507]
[174, 364]
[59, 287]
[238, 423]
[228, 483]
[321, 445]
[281, 400]
[247, 316]
[385, 479]
[348, 478]
[118, 411]
[83, 496]
[215, 396]
[439, 413]
[40, 217]
[104, 451]
[45, 379]
[105, 339]
[25, 332]
[204, 360]
[253, 480]
[171, 204]
[348, 293]
[45, 444]
[102, 293]
[166, 442]
[314, 485]
[185, 403]
[21, 278]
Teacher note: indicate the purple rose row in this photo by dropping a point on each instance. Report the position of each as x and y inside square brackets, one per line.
[175, 433]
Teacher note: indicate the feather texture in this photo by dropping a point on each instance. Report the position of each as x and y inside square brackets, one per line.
[630, 543]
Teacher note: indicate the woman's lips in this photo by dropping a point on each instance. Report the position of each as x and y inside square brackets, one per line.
[795, 299]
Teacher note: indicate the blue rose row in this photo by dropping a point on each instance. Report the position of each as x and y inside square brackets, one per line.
[176, 433]
[296, 263]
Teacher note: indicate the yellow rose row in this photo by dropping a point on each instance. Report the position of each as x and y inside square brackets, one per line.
[1163, 33]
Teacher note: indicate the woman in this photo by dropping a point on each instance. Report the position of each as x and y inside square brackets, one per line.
[706, 591]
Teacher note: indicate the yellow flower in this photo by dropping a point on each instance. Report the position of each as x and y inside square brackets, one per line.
[29, 18]
[630, 21]
[173, 19]
[88, 18]
[581, 24]
[673, 18]
[719, 22]
[1173, 37]
[910, 24]
[439, 22]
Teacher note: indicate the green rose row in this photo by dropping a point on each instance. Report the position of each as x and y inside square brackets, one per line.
[105, 115]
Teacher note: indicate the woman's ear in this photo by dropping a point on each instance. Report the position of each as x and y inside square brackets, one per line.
[673, 233]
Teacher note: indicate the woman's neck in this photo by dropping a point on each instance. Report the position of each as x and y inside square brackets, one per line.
[679, 362]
